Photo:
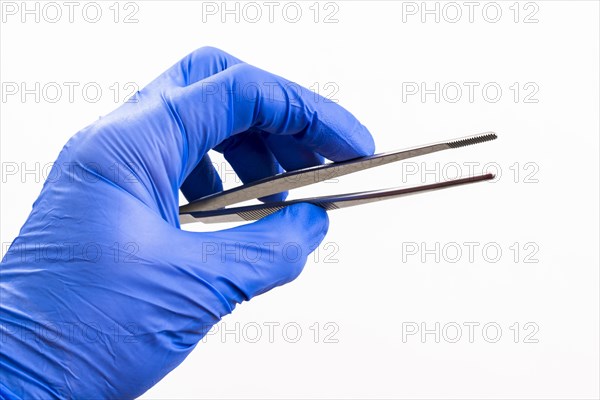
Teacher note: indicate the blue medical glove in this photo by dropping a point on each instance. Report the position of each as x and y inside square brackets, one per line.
[102, 293]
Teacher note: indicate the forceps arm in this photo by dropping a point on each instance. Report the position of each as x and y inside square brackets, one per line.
[257, 211]
[307, 176]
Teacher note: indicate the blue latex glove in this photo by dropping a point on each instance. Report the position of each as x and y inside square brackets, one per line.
[102, 293]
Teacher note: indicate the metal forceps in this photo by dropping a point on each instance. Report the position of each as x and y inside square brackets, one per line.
[214, 208]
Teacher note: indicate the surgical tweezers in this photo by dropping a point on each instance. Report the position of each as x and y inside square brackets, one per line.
[213, 208]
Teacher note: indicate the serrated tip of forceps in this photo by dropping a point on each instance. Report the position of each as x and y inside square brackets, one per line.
[483, 137]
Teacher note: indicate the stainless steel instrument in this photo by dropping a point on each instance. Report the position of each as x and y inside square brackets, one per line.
[215, 208]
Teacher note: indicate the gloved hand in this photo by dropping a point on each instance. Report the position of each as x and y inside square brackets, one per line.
[102, 293]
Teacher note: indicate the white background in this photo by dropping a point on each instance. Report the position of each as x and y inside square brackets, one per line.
[367, 282]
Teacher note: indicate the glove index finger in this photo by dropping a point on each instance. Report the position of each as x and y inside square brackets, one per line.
[199, 64]
[243, 97]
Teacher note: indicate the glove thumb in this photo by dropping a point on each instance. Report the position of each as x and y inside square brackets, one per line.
[248, 260]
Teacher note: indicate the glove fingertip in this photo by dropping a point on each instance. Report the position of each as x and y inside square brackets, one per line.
[367, 143]
[309, 220]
